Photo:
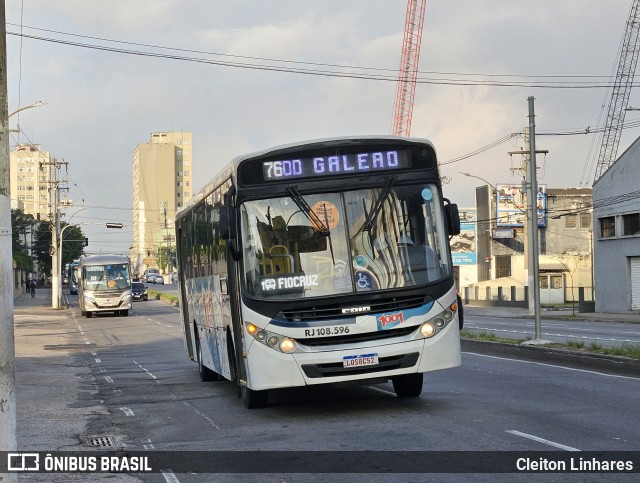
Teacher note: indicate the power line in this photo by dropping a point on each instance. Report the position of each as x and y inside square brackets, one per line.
[361, 73]
[321, 64]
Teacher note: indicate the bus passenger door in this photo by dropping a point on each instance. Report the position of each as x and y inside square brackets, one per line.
[222, 321]
[184, 303]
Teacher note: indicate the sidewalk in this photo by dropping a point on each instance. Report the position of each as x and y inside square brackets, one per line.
[56, 396]
[629, 317]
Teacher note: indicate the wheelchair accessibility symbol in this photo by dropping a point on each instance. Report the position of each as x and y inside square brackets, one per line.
[364, 281]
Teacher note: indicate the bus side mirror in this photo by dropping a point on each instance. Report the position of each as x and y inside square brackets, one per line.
[453, 218]
[227, 223]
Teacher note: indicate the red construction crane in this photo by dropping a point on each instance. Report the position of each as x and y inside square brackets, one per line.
[408, 74]
[627, 60]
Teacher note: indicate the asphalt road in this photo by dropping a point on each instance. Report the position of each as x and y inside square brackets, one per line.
[153, 399]
[605, 334]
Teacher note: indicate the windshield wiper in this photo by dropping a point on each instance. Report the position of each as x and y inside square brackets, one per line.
[311, 215]
[321, 226]
[373, 214]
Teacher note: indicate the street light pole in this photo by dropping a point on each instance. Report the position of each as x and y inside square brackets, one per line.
[59, 253]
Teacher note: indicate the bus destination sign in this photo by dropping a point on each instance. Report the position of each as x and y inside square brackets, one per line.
[320, 166]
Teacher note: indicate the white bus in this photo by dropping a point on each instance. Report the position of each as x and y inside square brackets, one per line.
[73, 277]
[319, 263]
[104, 284]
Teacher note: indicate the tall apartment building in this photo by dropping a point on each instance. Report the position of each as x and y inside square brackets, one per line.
[30, 177]
[162, 174]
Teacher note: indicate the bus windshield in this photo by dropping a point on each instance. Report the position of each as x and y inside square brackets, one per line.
[316, 245]
[114, 276]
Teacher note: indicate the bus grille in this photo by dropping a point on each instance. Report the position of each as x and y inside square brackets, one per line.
[314, 313]
[335, 369]
[106, 294]
[353, 338]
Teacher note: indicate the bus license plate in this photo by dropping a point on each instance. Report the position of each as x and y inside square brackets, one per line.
[360, 361]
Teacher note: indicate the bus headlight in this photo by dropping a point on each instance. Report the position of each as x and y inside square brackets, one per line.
[428, 329]
[287, 345]
[275, 341]
[89, 299]
[438, 322]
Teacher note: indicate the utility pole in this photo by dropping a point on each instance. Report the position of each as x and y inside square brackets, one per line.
[530, 188]
[532, 219]
[8, 439]
[164, 212]
[54, 216]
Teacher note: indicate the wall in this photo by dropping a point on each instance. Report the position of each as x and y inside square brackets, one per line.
[611, 254]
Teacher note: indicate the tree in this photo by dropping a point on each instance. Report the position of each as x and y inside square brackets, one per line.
[162, 257]
[21, 223]
[72, 245]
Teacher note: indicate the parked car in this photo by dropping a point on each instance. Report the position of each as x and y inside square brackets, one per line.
[139, 291]
[155, 278]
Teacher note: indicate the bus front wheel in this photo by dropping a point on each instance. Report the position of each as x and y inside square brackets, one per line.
[408, 385]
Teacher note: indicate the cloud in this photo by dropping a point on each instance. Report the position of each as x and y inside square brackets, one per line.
[101, 105]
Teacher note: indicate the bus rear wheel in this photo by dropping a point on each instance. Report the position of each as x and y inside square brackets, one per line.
[254, 399]
[408, 385]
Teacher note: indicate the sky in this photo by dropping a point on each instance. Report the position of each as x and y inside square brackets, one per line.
[101, 102]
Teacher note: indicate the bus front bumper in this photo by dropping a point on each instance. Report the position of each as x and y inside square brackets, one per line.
[270, 369]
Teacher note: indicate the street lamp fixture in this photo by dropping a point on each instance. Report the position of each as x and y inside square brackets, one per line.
[35, 104]
[115, 225]
[481, 179]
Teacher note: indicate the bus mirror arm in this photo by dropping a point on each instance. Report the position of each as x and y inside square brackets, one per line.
[453, 218]
[228, 230]
[227, 223]
[235, 253]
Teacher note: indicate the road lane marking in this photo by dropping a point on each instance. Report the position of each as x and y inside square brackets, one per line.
[148, 445]
[169, 477]
[108, 379]
[551, 334]
[145, 370]
[98, 360]
[200, 413]
[382, 390]
[127, 411]
[542, 440]
[554, 366]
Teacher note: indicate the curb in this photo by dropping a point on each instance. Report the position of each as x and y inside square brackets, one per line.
[164, 298]
[575, 359]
